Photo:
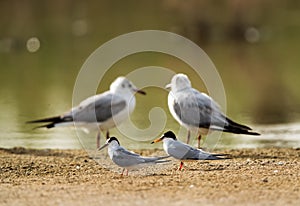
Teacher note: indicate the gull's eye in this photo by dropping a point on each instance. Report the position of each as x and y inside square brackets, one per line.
[123, 85]
[129, 86]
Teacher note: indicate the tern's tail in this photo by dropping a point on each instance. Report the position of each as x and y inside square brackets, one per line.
[52, 121]
[217, 157]
[157, 159]
[162, 159]
[202, 155]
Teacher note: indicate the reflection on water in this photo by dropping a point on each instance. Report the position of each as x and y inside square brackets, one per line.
[255, 47]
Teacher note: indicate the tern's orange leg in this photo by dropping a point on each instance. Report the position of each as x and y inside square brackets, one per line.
[180, 166]
[122, 172]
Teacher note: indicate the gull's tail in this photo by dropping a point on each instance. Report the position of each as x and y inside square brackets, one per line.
[51, 121]
[236, 128]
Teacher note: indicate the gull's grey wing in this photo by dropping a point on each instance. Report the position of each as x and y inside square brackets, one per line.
[197, 109]
[98, 108]
[183, 151]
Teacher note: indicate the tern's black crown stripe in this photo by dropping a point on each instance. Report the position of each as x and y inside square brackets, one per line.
[170, 134]
[113, 138]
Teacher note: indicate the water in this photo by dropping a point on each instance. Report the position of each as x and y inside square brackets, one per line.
[43, 48]
[279, 135]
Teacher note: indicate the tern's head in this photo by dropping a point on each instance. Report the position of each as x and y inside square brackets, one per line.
[168, 134]
[179, 82]
[123, 85]
[113, 141]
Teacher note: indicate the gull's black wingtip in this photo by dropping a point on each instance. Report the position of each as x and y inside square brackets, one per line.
[51, 122]
[252, 133]
[45, 120]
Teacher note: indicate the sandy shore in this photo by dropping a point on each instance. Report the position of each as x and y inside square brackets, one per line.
[71, 177]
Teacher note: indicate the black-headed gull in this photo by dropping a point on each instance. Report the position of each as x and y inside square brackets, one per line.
[107, 109]
[198, 112]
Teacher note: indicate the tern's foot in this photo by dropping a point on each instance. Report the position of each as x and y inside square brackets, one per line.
[122, 174]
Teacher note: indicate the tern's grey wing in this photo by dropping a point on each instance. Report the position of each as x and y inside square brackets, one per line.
[178, 149]
[99, 108]
[182, 151]
[124, 151]
[197, 109]
[124, 158]
[197, 154]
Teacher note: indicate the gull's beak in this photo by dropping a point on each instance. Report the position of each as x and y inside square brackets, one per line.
[157, 140]
[168, 86]
[105, 145]
[140, 91]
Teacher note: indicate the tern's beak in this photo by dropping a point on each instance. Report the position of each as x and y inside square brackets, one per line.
[168, 86]
[140, 91]
[157, 140]
[105, 145]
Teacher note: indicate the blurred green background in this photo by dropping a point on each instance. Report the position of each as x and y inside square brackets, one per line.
[255, 46]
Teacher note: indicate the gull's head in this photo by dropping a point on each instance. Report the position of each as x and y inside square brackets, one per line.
[123, 85]
[166, 135]
[179, 82]
[112, 141]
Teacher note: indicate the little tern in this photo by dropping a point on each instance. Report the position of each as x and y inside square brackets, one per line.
[198, 112]
[184, 152]
[127, 159]
[107, 109]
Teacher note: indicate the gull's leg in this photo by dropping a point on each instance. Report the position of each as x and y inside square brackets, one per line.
[126, 172]
[107, 134]
[188, 137]
[180, 166]
[98, 138]
[199, 139]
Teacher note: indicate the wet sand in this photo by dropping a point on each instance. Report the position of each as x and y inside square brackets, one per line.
[71, 177]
